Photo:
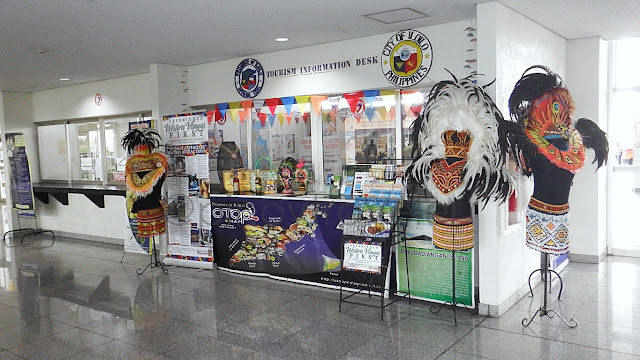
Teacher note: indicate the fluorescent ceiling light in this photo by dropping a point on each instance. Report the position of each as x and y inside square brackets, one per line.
[64, 79]
[282, 39]
[396, 16]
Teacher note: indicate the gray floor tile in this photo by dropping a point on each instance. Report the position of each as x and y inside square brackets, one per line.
[382, 348]
[5, 355]
[210, 348]
[496, 344]
[60, 345]
[431, 332]
[29, 331]
[267, 327]
[605, 336]
[114, 350]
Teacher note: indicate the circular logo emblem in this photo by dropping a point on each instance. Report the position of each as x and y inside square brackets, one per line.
[249, 78]
[97, 99]
[406, 58]
[360, 107]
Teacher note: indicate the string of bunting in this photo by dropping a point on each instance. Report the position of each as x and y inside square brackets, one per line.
[296, 107]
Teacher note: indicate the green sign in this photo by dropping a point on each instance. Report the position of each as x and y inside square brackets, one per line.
[430, 272]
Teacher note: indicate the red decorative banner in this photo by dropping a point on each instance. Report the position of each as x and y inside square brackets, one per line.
[263, 118]
[210, 116]
[246, 105]
[306, 117]
[272, 104]
[352, 99]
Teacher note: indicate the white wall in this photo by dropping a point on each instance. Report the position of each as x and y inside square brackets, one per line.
[587, 68]
[124, 95]
[212, 83]
[508, 43]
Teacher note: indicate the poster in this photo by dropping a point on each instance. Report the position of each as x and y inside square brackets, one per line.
[186, 144]
[430, 269]
[295, 239]
[21, 190]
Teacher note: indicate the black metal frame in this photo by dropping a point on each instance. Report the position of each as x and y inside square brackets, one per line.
[153, 255]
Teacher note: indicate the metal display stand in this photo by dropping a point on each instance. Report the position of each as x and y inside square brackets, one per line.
[387, 243]
[546, 272]
[453, 303]
[27, 232]
[153, 259]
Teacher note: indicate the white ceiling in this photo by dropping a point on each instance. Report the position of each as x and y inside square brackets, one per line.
[87, 40]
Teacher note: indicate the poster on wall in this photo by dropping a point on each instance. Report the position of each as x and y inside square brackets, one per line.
[21, 190]
[430, 269]
[295, 239]
[186, 144]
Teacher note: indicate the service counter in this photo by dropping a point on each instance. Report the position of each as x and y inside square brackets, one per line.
[290, 237]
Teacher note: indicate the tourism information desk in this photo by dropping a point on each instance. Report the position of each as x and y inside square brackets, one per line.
[289, 237]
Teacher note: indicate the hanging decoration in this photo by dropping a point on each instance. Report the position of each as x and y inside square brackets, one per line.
[302, 100]
[306, 117]
[272, 104]
[416, 109]
[388, 98]
[258, 104]
[210, 116]
[280, 118]
[382, 111]
[272, 119]
[352, 100]
[369, 111]
[288, 102]
[242, 115]
[370, 95]
[223, 108]
[316, 102]
[234, 115]
[288, 116]
[246, 105]
[263, 118]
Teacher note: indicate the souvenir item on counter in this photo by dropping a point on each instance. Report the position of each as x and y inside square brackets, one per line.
[229, 158]
[269, 177]
[544, 141]
[286, 172]
[456, 156]
[145, 172]
[301, 176]
[334, 190]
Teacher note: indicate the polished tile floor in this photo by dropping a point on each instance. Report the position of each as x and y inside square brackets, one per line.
[75, 300]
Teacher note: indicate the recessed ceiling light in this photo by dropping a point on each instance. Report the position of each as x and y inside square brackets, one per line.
[64, 79]
[396, 16]
[282, 39]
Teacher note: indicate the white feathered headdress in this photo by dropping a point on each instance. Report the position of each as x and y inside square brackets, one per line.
[462, 106]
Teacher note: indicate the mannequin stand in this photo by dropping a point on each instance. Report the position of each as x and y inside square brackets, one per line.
[543, 310]
[453, 303]
[153, 260]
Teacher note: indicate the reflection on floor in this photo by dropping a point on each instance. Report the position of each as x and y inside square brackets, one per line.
[75, 300]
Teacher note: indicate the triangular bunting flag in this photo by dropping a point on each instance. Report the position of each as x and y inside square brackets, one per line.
[407, 108]
[288, 116]
[302, 99]
[370, 95]
[210, 116]
[242, 115]
[216, 115]
[388, 98]
[287, 102]
[246, 105]
[392, 113]
[234, 115]
[258, 104]
[263, 118]
[316, 102]
[272, 119]
[352, 99]
[296, 117]
[235, 105]
[383, 113]
[369, 110]
[280, 118]
[272, 104]
[306, 117]
[223, 108]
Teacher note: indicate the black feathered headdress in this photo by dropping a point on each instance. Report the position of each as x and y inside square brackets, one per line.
[136, 138]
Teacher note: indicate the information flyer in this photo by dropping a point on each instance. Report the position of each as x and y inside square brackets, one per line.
[189, 240]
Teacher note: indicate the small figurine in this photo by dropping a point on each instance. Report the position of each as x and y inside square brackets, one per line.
[286, 172]
[301, 176]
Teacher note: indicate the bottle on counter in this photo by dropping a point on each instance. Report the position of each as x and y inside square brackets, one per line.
[258, 184]
[236, 183]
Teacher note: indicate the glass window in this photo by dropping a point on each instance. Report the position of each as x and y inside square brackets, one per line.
[228, 148]
[86, 152]
[116, 157]
[412, 102]
[626, 55]
[53, 151]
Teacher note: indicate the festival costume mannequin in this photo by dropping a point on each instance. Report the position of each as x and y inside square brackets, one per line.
[145, 173]
[456, 156]
[545, 142]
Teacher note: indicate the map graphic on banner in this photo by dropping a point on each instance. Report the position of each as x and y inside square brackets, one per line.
[189, 240]
[21, 190]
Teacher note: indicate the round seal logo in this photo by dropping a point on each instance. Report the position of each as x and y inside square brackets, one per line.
[406, 58]
[249, 78]
[97, 98]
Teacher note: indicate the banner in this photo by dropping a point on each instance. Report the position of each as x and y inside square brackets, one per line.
[189, 239]
[293, 238]
[430, 269]
[21, 190]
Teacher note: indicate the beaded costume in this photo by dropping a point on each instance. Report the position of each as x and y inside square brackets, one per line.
[545, 142]
[456, 156]
[145, 172]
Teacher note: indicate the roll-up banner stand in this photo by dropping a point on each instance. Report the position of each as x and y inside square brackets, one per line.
[189, 238]
[21, 190]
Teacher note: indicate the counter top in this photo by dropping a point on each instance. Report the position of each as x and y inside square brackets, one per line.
[304, 197]
[61, 190]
